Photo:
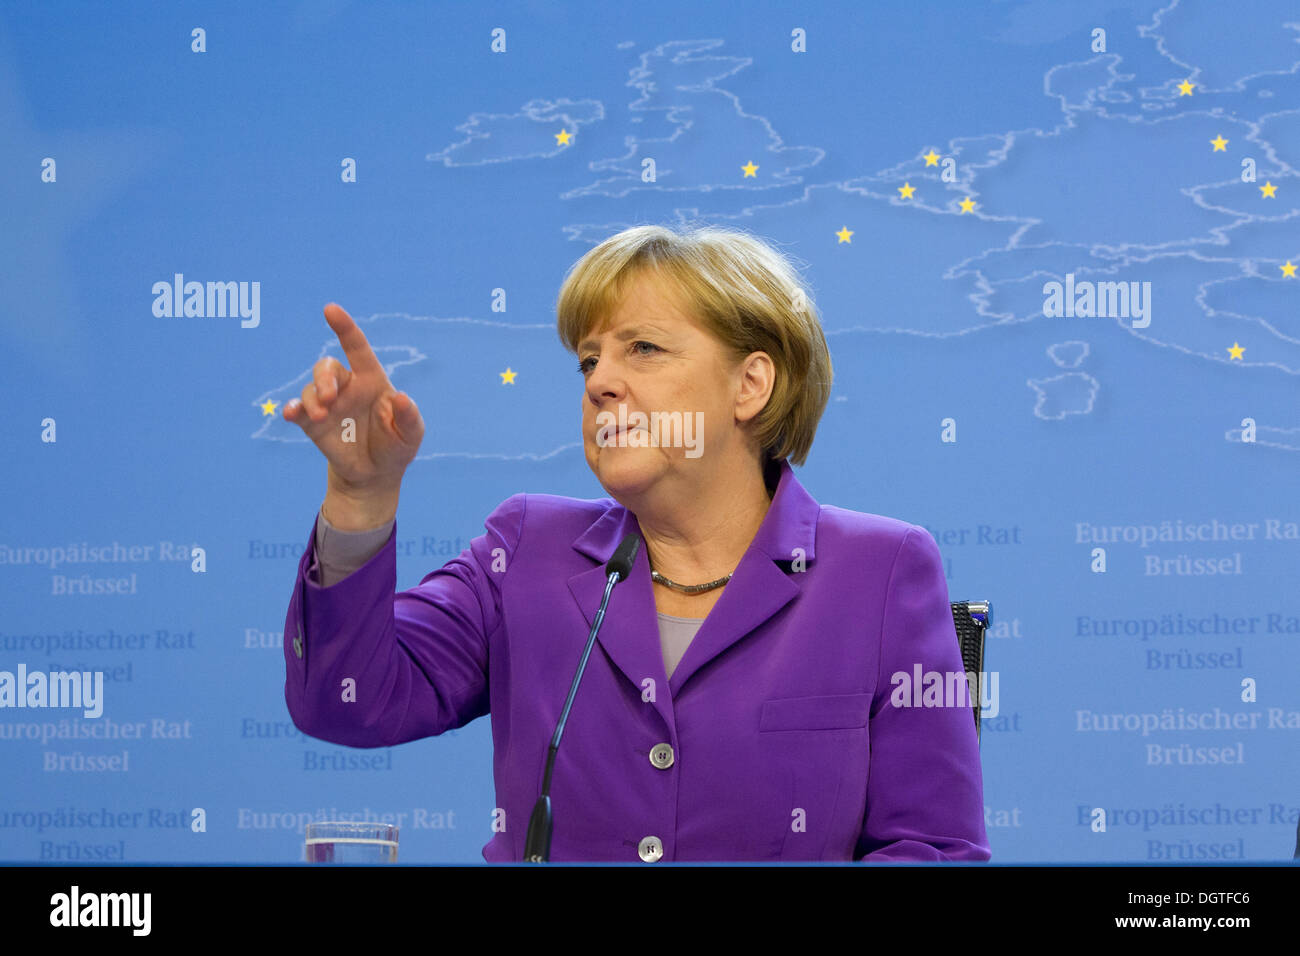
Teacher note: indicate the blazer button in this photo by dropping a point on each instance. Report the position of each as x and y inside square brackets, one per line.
[661, 756]
[650, 849]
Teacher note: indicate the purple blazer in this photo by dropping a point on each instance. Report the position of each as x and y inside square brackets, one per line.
[784, 742]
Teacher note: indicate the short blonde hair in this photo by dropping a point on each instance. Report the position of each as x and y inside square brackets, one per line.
[742, 290]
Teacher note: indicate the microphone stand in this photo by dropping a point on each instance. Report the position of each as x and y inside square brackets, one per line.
[537, 843]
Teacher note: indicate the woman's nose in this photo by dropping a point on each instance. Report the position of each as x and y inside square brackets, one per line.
[604, 383]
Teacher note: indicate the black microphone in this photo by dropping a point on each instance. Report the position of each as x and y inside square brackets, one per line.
[537, 844]
[624, 557]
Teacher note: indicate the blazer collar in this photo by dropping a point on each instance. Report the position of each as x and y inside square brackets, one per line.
[765, 580]
[788, 528]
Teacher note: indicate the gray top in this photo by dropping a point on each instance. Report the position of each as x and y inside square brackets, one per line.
[339, 553]
[675, 635]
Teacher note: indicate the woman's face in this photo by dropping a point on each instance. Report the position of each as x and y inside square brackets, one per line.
[650, 357]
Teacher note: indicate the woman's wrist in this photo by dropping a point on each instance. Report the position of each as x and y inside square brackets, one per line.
[364, 512]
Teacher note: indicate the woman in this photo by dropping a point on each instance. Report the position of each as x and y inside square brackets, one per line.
[738, 704]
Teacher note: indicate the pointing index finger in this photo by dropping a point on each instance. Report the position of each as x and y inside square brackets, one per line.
[361, 357]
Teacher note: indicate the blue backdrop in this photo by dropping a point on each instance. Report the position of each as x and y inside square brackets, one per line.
[436, 168]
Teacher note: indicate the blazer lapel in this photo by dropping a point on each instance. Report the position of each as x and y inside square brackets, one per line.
[766, 580]
[758, 589]
[629, 634]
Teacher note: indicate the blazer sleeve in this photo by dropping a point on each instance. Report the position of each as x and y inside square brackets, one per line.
[925, 791]
[370, 668]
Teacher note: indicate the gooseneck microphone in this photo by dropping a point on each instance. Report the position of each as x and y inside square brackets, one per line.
[537, 844]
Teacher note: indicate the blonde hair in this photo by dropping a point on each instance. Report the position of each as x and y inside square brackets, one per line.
[742, 290]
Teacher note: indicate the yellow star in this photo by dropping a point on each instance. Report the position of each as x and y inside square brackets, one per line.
[1236, 351]
[907, 189]
[507, 377]
[845, 234]
[1269, 191]
[967, 204]
[268, 406]
[1288, 270]
[931, 158]
[562, 137]
[750, 169]
[1220, 144]
[1185, 88]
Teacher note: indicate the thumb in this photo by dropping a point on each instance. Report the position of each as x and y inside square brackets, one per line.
[406, 417]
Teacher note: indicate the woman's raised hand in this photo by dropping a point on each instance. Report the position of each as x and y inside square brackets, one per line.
[368, 457]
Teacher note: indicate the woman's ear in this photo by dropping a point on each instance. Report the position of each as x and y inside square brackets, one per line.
[757, 378]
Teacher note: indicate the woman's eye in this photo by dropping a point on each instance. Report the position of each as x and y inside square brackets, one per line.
[586, 365]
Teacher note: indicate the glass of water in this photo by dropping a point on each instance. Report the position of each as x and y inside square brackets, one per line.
[330, 842]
